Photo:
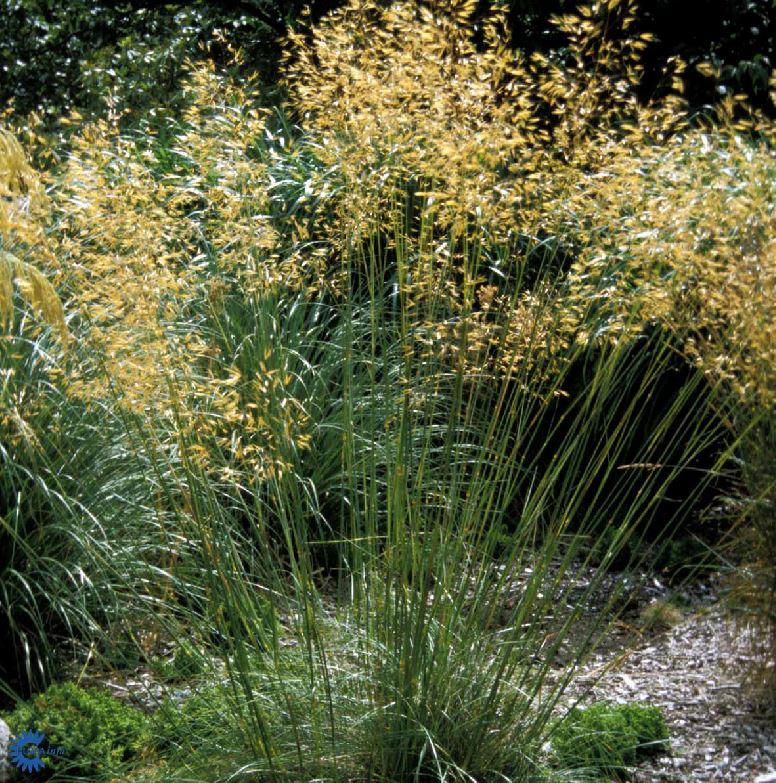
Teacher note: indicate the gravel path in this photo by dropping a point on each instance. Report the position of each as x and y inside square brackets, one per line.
[693, 673]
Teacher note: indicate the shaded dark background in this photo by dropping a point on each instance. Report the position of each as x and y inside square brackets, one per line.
[56, 55]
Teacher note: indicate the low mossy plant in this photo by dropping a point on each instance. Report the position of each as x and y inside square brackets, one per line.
[660, 615]
[608, 738]
[98, 733]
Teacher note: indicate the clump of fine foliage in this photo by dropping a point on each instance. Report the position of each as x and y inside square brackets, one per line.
[100, 734]
[609, 738]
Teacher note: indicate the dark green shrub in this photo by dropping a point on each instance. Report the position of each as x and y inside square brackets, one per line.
[99, 733]
[608, 738]
[84, 54]
[687, 555]
[128, 56]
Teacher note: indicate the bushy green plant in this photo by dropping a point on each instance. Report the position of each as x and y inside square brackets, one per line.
[100, 734]
[686, 555]
[608, 738]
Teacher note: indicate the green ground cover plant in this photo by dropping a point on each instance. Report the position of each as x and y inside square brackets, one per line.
[100, 734]
[608, 738]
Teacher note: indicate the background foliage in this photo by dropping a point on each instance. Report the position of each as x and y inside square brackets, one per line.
[128, 56]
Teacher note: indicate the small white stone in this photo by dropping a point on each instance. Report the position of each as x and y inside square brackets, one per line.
[5, 736]
[768, 777]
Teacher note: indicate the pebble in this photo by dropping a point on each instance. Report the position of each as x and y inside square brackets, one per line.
[5, 737]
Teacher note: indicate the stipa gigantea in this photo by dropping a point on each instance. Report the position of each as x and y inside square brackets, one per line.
[35, 287]
[18, 187]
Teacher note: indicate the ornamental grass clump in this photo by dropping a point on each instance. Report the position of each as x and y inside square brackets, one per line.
[424, 668]
[398, 378]
[79, 523]
[639, 216]
[639, 204]
[417, 465]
